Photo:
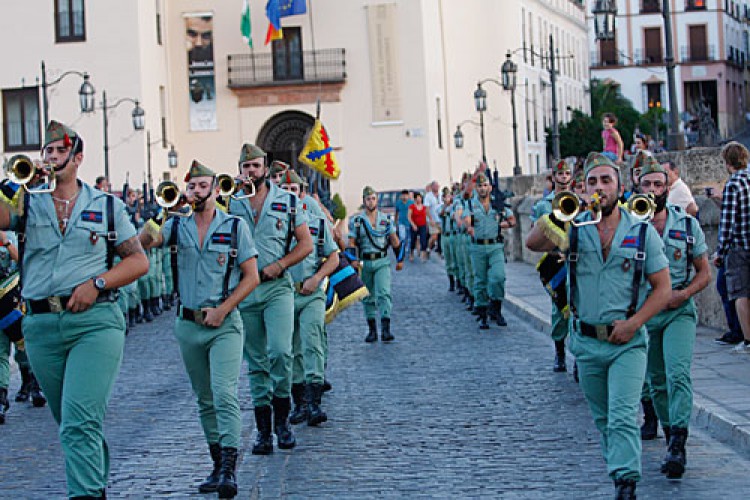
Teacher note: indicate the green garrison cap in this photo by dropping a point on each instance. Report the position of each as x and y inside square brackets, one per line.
[57, 131]
[561, 166]
[278, 166]
[651, 166]
[594, 160]
[367, 191]
[291, 177]
[482, 179]
[197, 169]
[251, 152]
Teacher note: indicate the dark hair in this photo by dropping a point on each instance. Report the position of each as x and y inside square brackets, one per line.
[736, 155]
[404, 191]
[641, 137]
[100, 179]
[610, 117]
[77, 145]
[417, 193]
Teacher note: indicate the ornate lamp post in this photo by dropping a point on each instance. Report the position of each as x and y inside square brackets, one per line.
[509, 71]
[85, 93]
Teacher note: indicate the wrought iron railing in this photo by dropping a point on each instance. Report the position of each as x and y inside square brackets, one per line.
[698, 53]
[251, 70]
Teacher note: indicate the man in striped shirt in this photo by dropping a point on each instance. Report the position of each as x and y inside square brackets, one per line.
[733, 249]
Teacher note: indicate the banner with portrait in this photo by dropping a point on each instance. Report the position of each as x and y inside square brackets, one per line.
[201, 82]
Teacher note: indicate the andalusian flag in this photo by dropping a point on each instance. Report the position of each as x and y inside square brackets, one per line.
[318, 152]
[245, 26]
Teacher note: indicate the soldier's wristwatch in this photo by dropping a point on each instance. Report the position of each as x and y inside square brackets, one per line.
[100, 283]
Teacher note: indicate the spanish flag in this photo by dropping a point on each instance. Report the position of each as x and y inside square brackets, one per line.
[273, 13]
[318, 152]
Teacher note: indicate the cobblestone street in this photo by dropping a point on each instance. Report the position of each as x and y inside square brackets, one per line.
[443, 412]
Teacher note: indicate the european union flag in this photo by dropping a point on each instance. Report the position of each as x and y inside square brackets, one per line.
[292, 7]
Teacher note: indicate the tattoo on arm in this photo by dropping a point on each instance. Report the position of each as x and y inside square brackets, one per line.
[129, 247]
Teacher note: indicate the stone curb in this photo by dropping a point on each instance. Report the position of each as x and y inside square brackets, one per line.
[722, 424]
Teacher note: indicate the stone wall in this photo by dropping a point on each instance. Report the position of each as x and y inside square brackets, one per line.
[699, 168]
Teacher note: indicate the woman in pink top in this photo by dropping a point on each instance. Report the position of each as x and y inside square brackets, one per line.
[613, 147]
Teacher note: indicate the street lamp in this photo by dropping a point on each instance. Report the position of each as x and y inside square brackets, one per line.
[458, 136]
[509, 71]
[480, 103]
[85, 93]
[604, 12]
[138, 116]
[171, 155]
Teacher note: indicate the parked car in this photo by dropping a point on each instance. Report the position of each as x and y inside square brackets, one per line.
[387, 200]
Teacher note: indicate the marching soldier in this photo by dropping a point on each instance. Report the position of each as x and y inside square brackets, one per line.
[208, 250]
[610, 265]
[463, 240]
[74, 332]
[371, 232]
[276, 172]
[310, 308]
[485, 221]
[275, 222]
[672, 331]
[561, 177]
[447, 229]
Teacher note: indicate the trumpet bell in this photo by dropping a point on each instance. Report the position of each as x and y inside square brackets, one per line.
[566, 206]
[20, 169]
[642, 206]
[229, 187]
[167, 194]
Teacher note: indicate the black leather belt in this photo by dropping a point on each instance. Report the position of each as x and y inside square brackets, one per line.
[57, 304]
[195, 315]
[265, 279]
[600, 332]
[490, 241]
[373, 255]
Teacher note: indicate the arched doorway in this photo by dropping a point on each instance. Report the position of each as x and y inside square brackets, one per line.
[283, 137]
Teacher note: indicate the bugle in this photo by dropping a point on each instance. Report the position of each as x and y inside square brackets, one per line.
[566, 206]
[168, 195]
[230, 186]
[642, 206]
[20, 169]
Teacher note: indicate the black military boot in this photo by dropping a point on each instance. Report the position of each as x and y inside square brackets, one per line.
[624, 489]
[23, 392]
[559, 365]
[148, 316]
[500, 318]
[166, 303]
[495, 312]
[132, 316]
[464, 294]
[227, 487]
[650, 421]
[372, 336]
[326, 385]
[676, 458]
[452, 282]
[482, 312]
[4, 404]
[299, 414]
[667, 436]
[315, 415]
[155, 309]
[212, 481]
[35, 392]
[470, 306]
[284, 435]
[385, 325]
[264, 441]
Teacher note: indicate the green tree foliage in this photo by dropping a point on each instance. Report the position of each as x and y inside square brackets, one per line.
[339, 210]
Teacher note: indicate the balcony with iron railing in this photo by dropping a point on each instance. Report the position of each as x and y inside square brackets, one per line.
[264, 70]
[693, 54]
[599, 60]
[647, 56]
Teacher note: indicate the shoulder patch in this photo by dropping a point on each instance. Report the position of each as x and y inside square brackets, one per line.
[676, 234]
[92, 216]
[278, 206]
[313, 230]
[221, 238]
[629, 242]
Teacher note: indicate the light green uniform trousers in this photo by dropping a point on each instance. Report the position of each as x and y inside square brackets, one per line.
[458, 253]
[449, 252]
[469, 271]
[76, 359]
[611, 377]
[307, 343]
[488, 262]
[155, 274]
[144, 284]
[670, 355]
[20, 357]
[268, 319]
[376, 275]
[560, 324]
[213, 359]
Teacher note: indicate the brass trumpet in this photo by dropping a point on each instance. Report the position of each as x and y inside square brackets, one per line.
[566, 206]
[642, 206]
[20, 169]
[230, 186]
[168, 195]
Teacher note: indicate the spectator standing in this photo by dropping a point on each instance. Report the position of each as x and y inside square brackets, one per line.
[679, 192]
[419, 216]
[733, 249]
[612, 145]
[402, 217]
[433, 203]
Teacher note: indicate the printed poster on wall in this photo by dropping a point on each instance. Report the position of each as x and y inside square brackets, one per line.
[202, 86]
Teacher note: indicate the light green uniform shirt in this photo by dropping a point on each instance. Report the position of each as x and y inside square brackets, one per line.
[486, 222]
[202, 268]
[603, 289]
[54, 264]
[542, 207]
[322, 245]
[675, 243]
[360, 227]
[270, 232]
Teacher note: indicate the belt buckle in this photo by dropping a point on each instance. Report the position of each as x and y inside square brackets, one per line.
[55, 304]
[199, 315]
[602, 332]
